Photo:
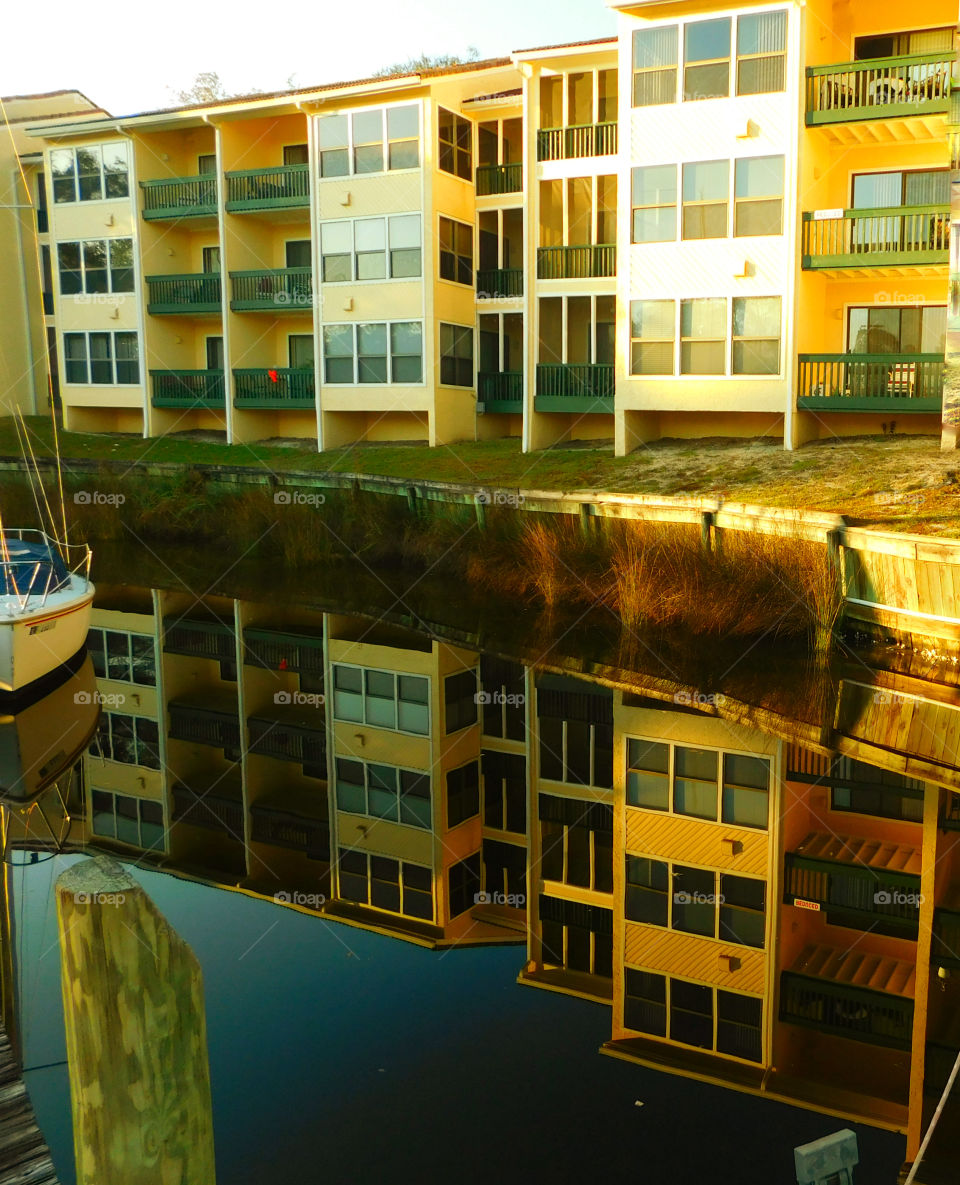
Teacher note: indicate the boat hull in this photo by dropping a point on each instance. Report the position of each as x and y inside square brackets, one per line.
[36, 641]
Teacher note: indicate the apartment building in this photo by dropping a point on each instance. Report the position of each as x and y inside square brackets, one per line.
[720, 222]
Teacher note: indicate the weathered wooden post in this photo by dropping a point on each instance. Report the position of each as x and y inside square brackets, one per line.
[136, 1035]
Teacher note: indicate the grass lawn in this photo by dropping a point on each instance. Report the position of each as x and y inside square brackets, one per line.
[900, 482]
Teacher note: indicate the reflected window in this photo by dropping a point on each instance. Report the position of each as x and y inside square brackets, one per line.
[576, 937]
[131, 740]
[384, 792]
[576, 842]
[576, 733]
[130, 658]
[134, 821]
[694, 1014]
[460, 700]
[464, 885]
[463, 793]
[504, 791]
[695, 782]
[645, 1002]
[382, 699]
[396, 886]
[647, 889]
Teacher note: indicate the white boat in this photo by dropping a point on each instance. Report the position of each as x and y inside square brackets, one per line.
[45, 600]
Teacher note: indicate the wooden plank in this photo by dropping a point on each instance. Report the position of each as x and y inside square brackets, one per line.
[136, 1034]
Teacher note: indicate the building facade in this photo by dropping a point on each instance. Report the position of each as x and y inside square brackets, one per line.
[720, 222]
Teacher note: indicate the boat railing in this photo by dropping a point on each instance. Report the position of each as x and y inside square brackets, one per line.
[20, 576]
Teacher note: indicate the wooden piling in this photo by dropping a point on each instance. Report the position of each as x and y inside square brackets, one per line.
[136, 1035]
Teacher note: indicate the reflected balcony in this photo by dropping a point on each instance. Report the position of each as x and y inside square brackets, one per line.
[187, 388]
[282, 188]
[577, 140]
[199, 292]
[575, 387]
[871, 382]
[496, 179]
[179, 197]
[215, 640]
[577, 263]
[290, 821]
[290, 732]
[274, 290]
[274, 387]
[215, 804]
[879, 88]
[892, 236]
[204, 721]
[274, 650]
[500, 391]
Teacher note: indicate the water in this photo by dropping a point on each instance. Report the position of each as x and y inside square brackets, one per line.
[444, 1007]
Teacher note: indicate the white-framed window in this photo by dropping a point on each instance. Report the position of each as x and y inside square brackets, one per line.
[718, 335]
[384, 882]
[370, 140]
[711, 784]
[134, 821]
[131, 740]
[126, 657]
[101, 358]
[90, 172]
[382, 699]
[354, 249]
[373, 352]
[384, 792]
[92, 266]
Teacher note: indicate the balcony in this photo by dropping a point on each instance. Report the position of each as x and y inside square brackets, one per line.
[871, 382]
[201, 724]
[285, 187]
[500, 391]
[274, 290]
[895, 236]
[187, 388]
[575, 387]
[494, 179]
[879, 88]
[858, 1013]
[291, 733]
[214, 807]
[499, 282]
[577, 263]
[585, 139]
[859, 883]
[286, 828]
[215, 640]
[179, 197]
[274, 387]
[195, 293]
[274, 650]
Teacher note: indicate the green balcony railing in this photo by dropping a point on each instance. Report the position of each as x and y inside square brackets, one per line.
[289, 742]
[500, 390]
[854, 895]
[275, 650]
[287, 829]
[268, 189]
[179, 197]
[879, 88]
[862, 1014]
[276, 290]
[575, 387]
[274, 387]
[945, 947]
[873, 238]
[584, 139]
[493, 282]
[208, 808]
[204, 726]
[196, 638]
[196, 293]
[499, 179]
[871, 382]
[187, 388]
[577, 263]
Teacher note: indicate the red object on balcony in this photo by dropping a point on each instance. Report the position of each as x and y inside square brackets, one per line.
[273, 376]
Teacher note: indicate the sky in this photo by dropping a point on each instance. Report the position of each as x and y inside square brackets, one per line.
[128, 58]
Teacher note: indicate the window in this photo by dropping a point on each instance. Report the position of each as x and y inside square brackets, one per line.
[460, 700]
[129, 658]
[463, 793]
[393, 885]
[95, 266]
[758, 196]
[647, 891]
[577, 937]
[454, 136]
[207, 164]
[652, 336]
[357, 353]
[464, 883]
[90, 173]
[867, 790]
[654, 204]
[699, 1015]
[134, 821]
[703, 336]
[741, 910]
[504, 791]
[101, 358]
[903, 329]
[503, 697]
[740, 799]
[382, 699]
[705, 193]
[369, 141]
[756, 335]
[211, 260]
[370, 249]
[706, 58]
[655, 66]
[456, 251]
[456, 355]
[296, 154]
[576, 733]
[576, 842]
[132, 740]
[300, 351]
[761, 52]
[384, 792]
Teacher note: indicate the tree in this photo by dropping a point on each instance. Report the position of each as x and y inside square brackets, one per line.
[429, 62]
[208, 88]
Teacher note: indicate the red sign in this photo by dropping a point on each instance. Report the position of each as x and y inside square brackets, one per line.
[801, 904]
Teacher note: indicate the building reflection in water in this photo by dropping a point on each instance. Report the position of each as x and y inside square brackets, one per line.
[765, 901]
